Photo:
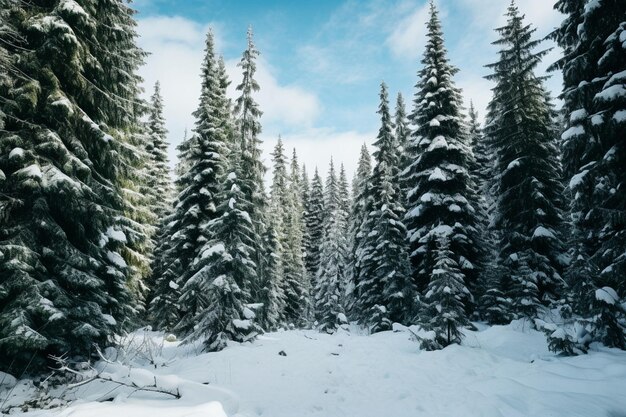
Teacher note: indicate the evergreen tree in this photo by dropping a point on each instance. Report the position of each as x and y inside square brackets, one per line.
[331, 275]
[402, 133]
[444, 312]
[345, 200]
[225, 271]
[69, 101]
[271, 292]
[493, 305]
[279, 205]
[164, 311]
[594, 96]
[385, 293]
[247, 133]
[160, 182]
[296, 286]
[158, 187]
[196, 205]
[314, 222]
[481, 170]
[358, 214]
[527, 212]
[442, 193]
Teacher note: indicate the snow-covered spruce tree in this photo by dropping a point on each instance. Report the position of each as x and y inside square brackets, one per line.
[271, 295]
[402, 133]
[385, 293]
[68, 100]
[196, 205]
[483, 161]
[331, 276]
[248, 128]
[441, 188]
[443, 310]
[528, 190]
[345, 199]
[345, 206]
[492, 304]
[158, 187]
[225, 271]
[163, 310]
[358, 214]
[296, 285]
[314, 222]
[277, 217]
[305, 195]
[160, 181]
[592, 36]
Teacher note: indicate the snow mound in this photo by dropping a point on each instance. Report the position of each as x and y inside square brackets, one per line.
[499, 371]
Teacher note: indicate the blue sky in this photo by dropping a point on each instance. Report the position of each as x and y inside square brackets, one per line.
[322, 61]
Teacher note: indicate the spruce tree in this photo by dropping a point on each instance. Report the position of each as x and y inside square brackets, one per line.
[160, 183]
[444, 312]
[594, 95]
[271, 293]
[196, 204]
[331, 275]
[164, 311]
[158, 187]
[441, 192]
[277, 216]
[528, 190]
[69, 101]
[314, 222]
[481, 169]
[248, 128]
[225, 271]
[296, 285]
[402, 133]
[358, 214]
[492, 305]
[385, 292]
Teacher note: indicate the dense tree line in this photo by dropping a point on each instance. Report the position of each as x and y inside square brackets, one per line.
[445, 222]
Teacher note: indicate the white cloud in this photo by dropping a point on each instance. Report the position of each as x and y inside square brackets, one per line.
[176, 45]
[408, 37]
[288, 105]
[315, 147]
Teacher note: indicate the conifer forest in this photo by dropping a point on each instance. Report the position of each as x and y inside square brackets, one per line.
[476, 248]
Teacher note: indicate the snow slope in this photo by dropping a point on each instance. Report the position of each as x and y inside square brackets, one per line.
[500, 371]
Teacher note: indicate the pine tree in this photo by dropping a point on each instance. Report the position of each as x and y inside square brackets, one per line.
[345, 200]
[594, 96]
[271, 293]
[527, 213]
[164, 311]
[481, 169]
[444, 312]
[493, 306]
[196, 204]
[402, 133]
[442, 196]
[314, 222]
[158, 187]
[385, 293]
[331, 275]
[296, 285]
[358, 214]
[69, 99]
[225, 271]
[247, 133]
[160, 183]
[279, 205]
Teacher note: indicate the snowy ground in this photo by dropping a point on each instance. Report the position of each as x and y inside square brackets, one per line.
[500, 371]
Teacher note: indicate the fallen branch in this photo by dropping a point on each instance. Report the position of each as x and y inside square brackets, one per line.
[97, 376]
